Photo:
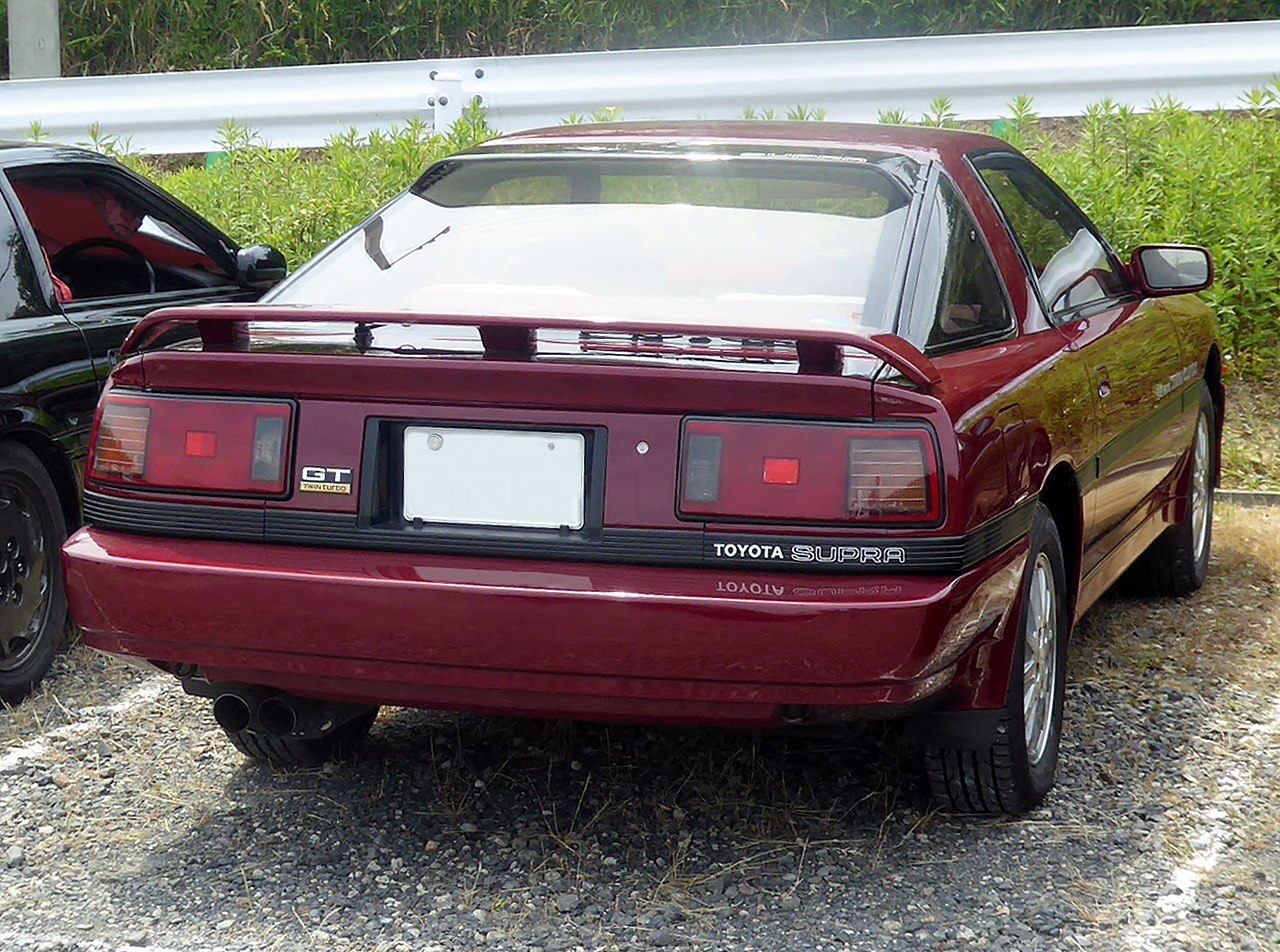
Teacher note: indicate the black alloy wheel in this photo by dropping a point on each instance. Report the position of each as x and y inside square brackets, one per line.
[33, 608]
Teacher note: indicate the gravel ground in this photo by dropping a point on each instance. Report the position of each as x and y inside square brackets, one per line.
[129, 822]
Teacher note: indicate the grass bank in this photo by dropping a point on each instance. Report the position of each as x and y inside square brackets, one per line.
[1166, 175]
[128, 36]
[1251, 435]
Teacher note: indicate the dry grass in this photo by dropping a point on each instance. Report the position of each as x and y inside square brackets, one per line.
[1251, 438]
[1218, 653]
[1230, 630]
[80, 678]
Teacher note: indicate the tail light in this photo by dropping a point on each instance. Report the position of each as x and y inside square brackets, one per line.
[809, 472]
[200, 444]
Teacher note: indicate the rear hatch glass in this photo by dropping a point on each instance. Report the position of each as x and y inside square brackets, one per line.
[801, 242]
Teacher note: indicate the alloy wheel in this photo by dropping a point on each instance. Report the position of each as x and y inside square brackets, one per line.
[24, 574]
[1200, 489]
[1039, 660]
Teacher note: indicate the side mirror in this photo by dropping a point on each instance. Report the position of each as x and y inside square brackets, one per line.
[1160, 270]
[260, 266]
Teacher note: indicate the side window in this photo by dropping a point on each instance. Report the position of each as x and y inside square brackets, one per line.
[1072, 267]
[20, 294]
[103, 240]
[959, 300]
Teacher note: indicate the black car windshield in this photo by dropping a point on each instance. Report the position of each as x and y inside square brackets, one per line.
[770, 242]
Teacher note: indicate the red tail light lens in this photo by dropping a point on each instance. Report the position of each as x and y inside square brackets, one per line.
[809, 472]
[781, 471]
[200, 444]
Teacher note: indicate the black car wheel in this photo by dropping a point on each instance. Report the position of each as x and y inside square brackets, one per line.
[1015, 772]
[33, 609]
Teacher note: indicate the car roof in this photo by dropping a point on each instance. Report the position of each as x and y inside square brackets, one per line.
[914, 141]
[14, 152]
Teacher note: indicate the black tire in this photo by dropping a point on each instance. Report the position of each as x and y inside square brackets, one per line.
[292, 753]
[1177, 562]
[1015, 773]
[33, 605]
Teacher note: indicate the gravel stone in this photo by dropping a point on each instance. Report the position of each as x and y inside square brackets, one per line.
[135, 826]
[568, 902]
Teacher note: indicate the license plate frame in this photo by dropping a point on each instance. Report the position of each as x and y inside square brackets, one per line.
[495, 478]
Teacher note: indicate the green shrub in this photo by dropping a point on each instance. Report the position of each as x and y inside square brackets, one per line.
[1174, 175]
[1166, 175]
[299, 202]
[120, 36]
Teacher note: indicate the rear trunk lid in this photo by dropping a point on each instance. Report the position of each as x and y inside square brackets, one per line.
[393, 411]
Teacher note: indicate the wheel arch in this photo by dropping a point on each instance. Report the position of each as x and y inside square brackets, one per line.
[1213, 378]
[55, 463]
[1060, 494]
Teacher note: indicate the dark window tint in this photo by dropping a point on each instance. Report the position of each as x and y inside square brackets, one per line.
[1072, 266]
[19, 287]
[959, 300]
[104, 238]
[833, 188]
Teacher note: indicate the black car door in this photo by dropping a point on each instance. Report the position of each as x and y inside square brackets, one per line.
[47, 381]
[118, 248]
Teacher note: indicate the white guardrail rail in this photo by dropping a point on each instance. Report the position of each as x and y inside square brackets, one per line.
[1203, 66]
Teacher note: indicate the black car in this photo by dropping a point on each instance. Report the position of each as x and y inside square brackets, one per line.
[86, 248]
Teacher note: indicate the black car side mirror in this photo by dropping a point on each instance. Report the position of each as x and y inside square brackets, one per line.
[260, 266]
[1159, 270]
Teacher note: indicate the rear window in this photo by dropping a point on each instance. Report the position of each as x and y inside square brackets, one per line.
[792, 241]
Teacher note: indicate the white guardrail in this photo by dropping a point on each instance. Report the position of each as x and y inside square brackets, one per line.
[1204, 66]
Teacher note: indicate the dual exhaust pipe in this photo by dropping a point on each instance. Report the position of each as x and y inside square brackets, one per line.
[274, 716]
[267, 711]
[274, 713]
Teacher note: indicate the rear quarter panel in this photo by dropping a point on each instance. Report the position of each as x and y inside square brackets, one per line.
[1027, 400]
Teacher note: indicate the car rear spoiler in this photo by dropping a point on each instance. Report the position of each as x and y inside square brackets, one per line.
[515, 338]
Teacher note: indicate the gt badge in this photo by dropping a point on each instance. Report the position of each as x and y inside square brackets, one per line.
[325, 479]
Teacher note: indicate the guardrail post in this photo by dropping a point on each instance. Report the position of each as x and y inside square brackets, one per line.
[34, 44]
[446, 100]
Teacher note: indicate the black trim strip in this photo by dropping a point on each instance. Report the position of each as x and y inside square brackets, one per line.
[642, 546]
[1087, 475]
[842, 555]
[1123, 444]
[1109, 456]
[185, 520]
[931, 555]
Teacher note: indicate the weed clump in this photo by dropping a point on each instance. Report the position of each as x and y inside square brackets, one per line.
[128, 36]
[1172, 175]
[300, 200]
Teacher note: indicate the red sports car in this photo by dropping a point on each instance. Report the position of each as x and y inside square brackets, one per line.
[729, 423]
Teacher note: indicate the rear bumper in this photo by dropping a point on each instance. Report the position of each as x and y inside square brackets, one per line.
[549, 639]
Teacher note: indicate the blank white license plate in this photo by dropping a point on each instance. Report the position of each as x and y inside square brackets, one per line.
[494, 477]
